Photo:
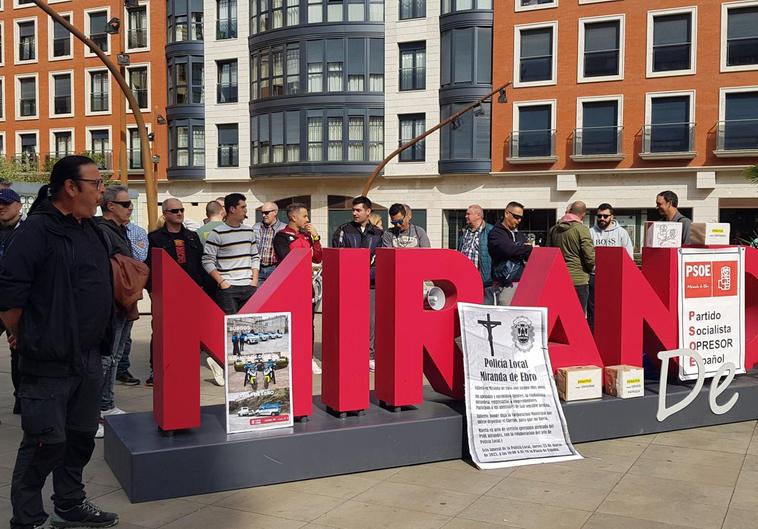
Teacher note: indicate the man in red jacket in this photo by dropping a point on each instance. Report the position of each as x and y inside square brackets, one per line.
[299, 233]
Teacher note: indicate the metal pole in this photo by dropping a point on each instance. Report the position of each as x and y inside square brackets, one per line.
[151, 190]
[414, 141]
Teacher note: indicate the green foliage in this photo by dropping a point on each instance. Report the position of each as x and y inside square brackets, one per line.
[752, 174]
[31, 169]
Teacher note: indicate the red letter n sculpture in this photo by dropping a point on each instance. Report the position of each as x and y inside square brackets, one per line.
[184, 317]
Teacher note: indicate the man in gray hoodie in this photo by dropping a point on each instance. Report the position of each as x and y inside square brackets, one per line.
[606, 232]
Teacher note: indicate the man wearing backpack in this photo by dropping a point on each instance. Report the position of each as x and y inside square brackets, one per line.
[509, 250]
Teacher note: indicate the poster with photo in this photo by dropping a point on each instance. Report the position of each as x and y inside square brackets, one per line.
[258, 372]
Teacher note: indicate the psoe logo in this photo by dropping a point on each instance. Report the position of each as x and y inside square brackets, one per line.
[522, 332]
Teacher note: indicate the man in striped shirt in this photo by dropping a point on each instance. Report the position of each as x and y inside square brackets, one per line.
[231, 256]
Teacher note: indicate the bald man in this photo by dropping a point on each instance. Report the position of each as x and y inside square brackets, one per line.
[182, 245]
[265, 230]
[575, 242]
[473, 244]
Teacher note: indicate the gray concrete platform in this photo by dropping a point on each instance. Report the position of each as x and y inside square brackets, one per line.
[152, 466]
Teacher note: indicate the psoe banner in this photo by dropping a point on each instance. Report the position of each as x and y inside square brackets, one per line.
[711, 309]
[513, 415]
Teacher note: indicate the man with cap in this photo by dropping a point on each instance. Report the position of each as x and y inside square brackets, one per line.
[10, 220]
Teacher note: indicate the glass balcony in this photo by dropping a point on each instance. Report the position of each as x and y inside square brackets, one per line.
[668, 141]
[532, 146]
[737, 137]
[597, 144]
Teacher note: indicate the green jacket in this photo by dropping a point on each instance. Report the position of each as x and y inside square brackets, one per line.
[575, 242]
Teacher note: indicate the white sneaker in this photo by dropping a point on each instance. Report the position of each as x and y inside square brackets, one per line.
[371, 365]
[112, 411]
[315, 367]
[218, 373]
[100, 431]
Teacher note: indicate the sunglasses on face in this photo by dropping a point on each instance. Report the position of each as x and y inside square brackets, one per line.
[267, 212]
[123, 203]
[517, 217]
[175, 211]
[603, 216]
[396, 222]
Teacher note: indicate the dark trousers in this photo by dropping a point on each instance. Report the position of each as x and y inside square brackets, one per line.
[264, 272]
[15, 375]
[59, 419]
[231, 299]
[124, 363]
[583, 293]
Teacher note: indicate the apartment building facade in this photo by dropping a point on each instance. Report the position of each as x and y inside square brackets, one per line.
[58, 98]
[613, 102]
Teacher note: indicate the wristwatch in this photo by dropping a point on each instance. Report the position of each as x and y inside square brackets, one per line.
[316, 238]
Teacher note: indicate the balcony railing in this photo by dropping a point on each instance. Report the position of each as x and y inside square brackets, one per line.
[226, 28]
[227, 93]
[137, 38]
[413, 78]
[532, 146]
[737, 137]
[668, 140]
[597, 143]
[28, 107]
[228, 155]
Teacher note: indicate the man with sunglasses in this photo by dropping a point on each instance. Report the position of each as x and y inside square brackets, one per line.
[265, 230]
[117, 209]
[509, 249]
[606, 232]
[403, 234]
[184, 247]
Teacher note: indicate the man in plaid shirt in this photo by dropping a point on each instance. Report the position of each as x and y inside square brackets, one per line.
[265, 230]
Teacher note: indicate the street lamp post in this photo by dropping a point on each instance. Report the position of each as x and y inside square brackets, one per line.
[151, 190]
[501, 99]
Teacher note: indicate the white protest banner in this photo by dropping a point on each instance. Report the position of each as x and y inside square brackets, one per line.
[711, 309]
[512, 408]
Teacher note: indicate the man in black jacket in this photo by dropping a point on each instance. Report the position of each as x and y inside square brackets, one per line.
[507, 244]
[56, 301]
[182, 245]
[362, 234]
[117, 210]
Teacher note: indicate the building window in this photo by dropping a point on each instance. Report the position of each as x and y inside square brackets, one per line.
[739, 39]
[315, 139]
[738, 129]
[376, 65]
[135, 151]
[63, 143]
[2, 41]
[99, 91]
[601, 44]
[139, 83]
[185, 20]
[355, 135]
[182, 146]
[315, 11]
[315, 60]
[334, 76]
[599, 132]
[470, 139]
[137, 27]
[670, 126]
[375, 138]
[277, 71]
[277, 14]
[277, 137]
[533, 135]
[466, 56]
[454, 6]
[334, 139]
[671, 48]
[293, 69]
[411, 125]
[413, 66]
[61, 39]
[226, 19]
[185, 81]
[228, 145]
[528, 5]
[27, 40]
[181, 86]
[197, 83]
[62, 94]
[98, 20]
[28, 146]
[412, 9]
[226, 91]
[293, 12]
[100, 147]
[187, 144]
[27, 99]
[536, 50]
[2, 98]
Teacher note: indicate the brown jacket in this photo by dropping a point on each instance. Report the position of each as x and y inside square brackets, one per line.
[129, 278]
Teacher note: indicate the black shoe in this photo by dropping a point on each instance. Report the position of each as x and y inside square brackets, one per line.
[127, 379]
[149, 381]
[84, 515]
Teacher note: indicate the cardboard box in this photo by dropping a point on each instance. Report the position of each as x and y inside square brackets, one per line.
[579, 382]
[709, 233]
[624, 382]
[663, 234]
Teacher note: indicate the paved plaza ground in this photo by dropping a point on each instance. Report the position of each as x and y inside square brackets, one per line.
[703, 478]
